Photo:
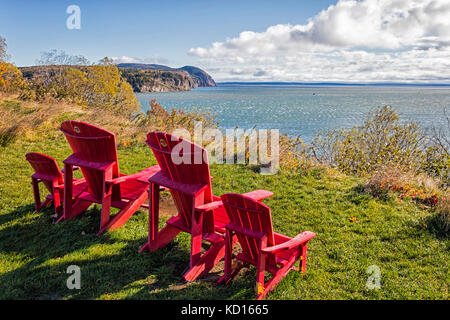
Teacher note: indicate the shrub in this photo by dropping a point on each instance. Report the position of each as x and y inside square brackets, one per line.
[158, 118]
[380, 141]
[99, 86]
[443, 213]
[436, 164]
[11, 121]
[417, 187]
[437, 154]
[11, 79]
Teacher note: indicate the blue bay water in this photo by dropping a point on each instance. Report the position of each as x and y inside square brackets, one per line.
[305, 110]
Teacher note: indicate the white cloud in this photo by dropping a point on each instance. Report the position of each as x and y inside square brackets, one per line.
[369, 40]
[125, 59]
[153, 59]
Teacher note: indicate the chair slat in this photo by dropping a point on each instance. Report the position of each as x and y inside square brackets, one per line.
[251, 215]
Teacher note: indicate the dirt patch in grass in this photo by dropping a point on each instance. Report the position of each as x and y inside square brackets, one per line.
[167, 207]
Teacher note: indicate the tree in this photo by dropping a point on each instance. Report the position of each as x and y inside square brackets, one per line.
[55, 57]
[2, 48]
[11, 79]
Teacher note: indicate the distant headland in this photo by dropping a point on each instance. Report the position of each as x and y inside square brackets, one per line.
[160, 78]
[142, 77]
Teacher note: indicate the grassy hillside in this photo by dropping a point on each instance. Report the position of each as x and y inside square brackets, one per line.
[354, 231]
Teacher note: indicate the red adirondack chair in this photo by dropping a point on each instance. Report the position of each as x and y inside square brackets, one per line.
[251, 222]
[200, 213]
[94, 151]
[47, 171]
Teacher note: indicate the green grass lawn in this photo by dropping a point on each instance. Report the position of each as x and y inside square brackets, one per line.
[395, 236]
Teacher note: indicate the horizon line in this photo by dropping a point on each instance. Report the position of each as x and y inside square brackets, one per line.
[360, 84]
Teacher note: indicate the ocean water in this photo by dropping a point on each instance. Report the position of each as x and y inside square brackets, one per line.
[305, 110]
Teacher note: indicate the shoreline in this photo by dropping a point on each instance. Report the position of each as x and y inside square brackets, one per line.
[333, 84]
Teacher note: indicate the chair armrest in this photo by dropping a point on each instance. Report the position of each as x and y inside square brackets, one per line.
[78, 181]
[209, 206]
[73, 168]
[139, 176]
[190, 189]
[77, 162]
[117, 180]
[258, 195]
[294, 242]
[42, 177]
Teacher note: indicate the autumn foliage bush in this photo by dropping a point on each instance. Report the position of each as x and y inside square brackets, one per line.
[98, 85]
[383, 142]
[443, 213]
[407, 185]
[11, 79]
[395, 158]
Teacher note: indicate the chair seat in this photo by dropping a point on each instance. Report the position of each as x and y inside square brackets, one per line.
[130, 189]
[178, 223]
[137, 183]
[221, 219]
[283, 256]
[79, 185]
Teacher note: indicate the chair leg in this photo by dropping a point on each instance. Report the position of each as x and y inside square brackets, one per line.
[56, 194]
[57, 202]
[206, 262]
[47, 201]
[106, 199]
[225, 279]
[196, 236]
[153, 212]
[261, 269]
[164, 237]
[200, 265]
[36, 195]
[121, 217]
[276, 278]
[78, 207]
[68, 181]
[304, 249]
[157, 239]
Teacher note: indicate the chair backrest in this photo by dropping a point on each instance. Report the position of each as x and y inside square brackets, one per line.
[184, 162]
[92, 144]
[45, 166]
[252, 216]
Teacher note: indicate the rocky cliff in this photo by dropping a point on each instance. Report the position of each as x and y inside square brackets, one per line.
[156, 78]
[200, 77]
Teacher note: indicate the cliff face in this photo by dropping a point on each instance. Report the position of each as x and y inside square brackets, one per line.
[142, 77]
[200, 77]
[157, 81]
[158, 78]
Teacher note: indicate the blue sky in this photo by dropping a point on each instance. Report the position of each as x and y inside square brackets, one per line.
[162, 30]
[291, 40]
